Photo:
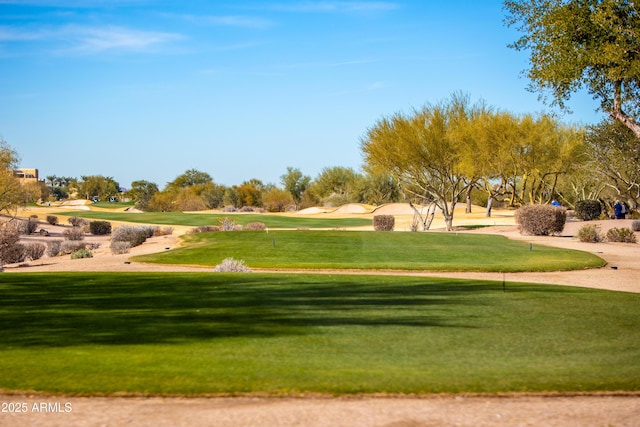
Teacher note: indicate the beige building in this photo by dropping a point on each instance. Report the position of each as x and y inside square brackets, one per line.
[26, 175]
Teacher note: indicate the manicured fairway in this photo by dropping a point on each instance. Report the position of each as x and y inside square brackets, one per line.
[373, 250]
[224, 333]
[200, 219]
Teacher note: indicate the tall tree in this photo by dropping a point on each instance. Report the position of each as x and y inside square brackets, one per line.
[142, 192]
[11, 192]
[98, 186]
[615, 158]
[295, 183]
[574, 44]
[189, 178]
[336, 185]
[423, 151]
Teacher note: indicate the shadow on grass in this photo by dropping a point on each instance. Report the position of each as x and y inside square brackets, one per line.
[106, 308]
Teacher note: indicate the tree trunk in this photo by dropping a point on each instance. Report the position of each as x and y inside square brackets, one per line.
[468, 208]
[489, 206]
[428, 218]
[617, 114]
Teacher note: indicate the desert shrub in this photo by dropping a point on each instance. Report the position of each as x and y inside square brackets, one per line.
[384, 222]
[588, 210]
[54, 247]
[100, 228]
[622, 235]
[52, 219]
[76, 221]
[81, 253]
[119, 248]
[13, 254]
[540, 220]
[255, 226]
[73, 233]
[227, 224]
[204, 229]
[70, 246]
[24, 226]
[92, 246]
[9, 234]
[126, 233]
[635, 225]
[590, 233]
[162, 231]
[229, 209]
[230, 265]
[9, 237]
[148, 230]
[34, 251]
[27, 226]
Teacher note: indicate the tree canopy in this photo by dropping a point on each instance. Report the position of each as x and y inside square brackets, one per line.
[582, 44]
[424, 151]
[11, 192]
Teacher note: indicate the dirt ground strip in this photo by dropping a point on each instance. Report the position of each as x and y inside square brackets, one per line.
[476, 411]
[622, 273]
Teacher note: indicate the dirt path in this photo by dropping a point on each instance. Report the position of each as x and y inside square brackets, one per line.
[476, 411]
[619, 410]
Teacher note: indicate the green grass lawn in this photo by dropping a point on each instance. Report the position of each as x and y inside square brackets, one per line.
[204, 333]
[200, 219]
[305, 249]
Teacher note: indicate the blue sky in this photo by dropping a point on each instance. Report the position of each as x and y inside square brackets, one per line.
[146, 89]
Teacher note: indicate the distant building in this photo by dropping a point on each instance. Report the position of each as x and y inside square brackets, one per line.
[26, 175]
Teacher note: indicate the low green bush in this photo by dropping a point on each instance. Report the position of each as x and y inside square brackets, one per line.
[540, 220]
[588, 210]
[384, 222]
[590, 234]
[621, 235]
[100, 228]
[81, 253]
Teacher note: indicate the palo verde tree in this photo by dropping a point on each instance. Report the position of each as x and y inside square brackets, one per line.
[423, 151]
[575, 44]
[522, 159]
[615, 158]
[11, 192]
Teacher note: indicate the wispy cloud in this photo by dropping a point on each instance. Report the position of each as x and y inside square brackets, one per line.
[87, 40]
[100, 39]
[328, 64]
[336, 6]
[72, 3]
[226, 20]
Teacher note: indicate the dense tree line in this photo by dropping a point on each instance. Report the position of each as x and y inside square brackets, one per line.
[443, 154]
